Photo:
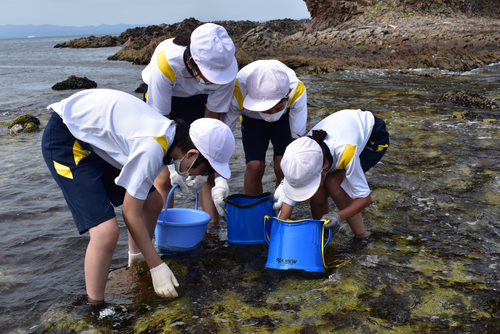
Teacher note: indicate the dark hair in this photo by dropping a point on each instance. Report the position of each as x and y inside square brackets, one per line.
[319, 136]
[184, 39]
[185, 144]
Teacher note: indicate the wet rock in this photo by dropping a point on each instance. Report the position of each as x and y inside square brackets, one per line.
[74, 82]
[24, 123]
[140, 89]
[468, 99]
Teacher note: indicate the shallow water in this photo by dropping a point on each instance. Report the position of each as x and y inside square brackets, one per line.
[432, 264]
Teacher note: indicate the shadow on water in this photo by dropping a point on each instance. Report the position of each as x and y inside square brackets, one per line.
[430, 266]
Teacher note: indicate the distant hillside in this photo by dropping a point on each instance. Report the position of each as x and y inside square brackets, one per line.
[46, 30]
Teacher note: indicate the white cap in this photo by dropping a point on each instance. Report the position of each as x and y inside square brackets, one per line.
[215, 141]
[302, 164]
[266, 86]
[213, 51]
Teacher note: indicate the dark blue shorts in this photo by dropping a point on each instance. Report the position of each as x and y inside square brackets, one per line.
[86, 180]
[187, 108]
[376, 147]
[257, 133]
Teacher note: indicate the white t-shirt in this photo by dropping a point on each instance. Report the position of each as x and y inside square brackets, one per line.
[122, 130]
[167, 76]
[297, 102]
[348, 132]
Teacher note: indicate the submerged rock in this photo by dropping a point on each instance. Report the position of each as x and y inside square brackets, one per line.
[24, 123]
[468, 99]
[74, 82]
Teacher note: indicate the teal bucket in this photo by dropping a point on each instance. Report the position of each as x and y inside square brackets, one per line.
[245, 217]
[180, 230]
[296, 244]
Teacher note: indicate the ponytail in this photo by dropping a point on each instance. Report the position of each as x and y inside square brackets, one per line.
[318, 136]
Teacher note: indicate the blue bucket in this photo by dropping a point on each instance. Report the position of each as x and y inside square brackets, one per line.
[245, 217]
[296, 244]
[180, 230]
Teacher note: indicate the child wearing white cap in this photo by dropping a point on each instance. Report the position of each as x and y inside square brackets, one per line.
[190, 77]
[331, 161]
[272, 103]
[104, 148]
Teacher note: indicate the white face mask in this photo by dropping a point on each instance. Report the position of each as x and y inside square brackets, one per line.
[177, 166]
[272, 117]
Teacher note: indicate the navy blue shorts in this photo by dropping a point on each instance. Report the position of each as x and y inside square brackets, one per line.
[187, 108]
[256, 134]
[86, 180]
[376, 147]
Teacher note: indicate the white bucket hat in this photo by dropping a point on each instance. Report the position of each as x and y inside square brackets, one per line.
[213, 51]
[215, 141]
[266, 86]
[302, 164]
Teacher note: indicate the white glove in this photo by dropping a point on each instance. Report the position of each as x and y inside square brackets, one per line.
[135, 258]
[334, 221]
[196, 182]
[175, 178]
[164, 281]
[219, 193]
[279, 194]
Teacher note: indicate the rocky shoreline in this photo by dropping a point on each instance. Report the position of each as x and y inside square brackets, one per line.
[390, 40]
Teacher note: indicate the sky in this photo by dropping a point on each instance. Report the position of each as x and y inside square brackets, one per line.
[96, 12]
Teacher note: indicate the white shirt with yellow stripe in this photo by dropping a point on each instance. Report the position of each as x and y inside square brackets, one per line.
[167, 76]
[348, 132]
[297, 102]
[122, 130]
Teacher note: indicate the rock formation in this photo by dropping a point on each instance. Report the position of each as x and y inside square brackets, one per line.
[74, 82]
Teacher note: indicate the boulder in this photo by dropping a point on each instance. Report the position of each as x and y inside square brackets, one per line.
[24, 123]
[74, 82]
[468, 99]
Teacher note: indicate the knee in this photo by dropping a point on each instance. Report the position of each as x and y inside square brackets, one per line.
[106, 236]
[255, 167]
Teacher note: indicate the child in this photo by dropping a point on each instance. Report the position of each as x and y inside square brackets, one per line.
[331, 161]
[105, 148]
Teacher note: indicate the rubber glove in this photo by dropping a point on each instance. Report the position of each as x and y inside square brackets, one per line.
[279, 194]
[135, 258]
[164, 281]
[196, 182]
[175, 178]
[219, 193]
[334, 221]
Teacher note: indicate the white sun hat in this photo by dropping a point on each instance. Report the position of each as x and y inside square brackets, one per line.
[213, 51]
[302, 164]
[215, 141]
[266, 86]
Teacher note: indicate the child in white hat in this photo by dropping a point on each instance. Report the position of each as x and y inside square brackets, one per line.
[190, 77]
[331, 161]
[104, 148]
[272, 103]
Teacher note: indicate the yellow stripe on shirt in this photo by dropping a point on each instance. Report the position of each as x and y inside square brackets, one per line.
[237, 94]
[347, 156]
[162, 140]
[164, 66]
[299, 90]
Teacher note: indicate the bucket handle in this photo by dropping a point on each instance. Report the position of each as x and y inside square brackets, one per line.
[267, 238]
[171, 192]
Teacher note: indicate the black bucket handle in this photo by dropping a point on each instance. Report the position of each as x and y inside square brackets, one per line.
[266, 198]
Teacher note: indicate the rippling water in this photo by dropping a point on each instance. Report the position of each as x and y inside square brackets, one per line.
[432, 264]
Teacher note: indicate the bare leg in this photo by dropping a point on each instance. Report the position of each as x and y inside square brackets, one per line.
[319, 203]
[277, 169]
[103, 239]
[254, 172]
[342, 200]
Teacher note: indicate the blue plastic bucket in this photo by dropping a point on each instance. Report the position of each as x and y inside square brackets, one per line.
[296, 244]
[180, 230]
[245, 217]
